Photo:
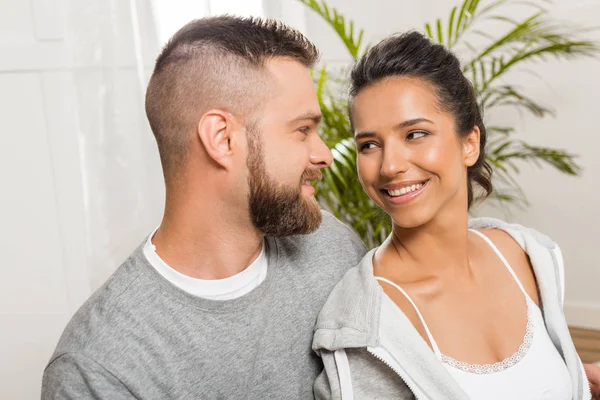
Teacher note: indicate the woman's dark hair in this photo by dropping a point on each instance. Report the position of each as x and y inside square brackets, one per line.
[414, 55]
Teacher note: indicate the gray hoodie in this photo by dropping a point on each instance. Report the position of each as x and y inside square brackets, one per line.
[370, 349]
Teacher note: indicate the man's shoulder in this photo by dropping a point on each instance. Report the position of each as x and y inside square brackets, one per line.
[334, 232]
[333, 244]
[107, 315]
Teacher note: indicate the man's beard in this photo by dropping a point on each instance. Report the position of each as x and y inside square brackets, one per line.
[276, 209]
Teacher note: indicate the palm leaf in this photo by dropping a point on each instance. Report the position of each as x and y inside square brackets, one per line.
[517, 150]
[535, 38]
[508, 95]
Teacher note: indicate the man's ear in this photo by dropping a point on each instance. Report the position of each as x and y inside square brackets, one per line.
[471, 147]
[215, 132]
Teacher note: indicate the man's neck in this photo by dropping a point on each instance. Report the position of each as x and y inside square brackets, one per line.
[206, 245]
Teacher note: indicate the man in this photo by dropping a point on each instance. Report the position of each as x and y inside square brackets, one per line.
[219, 302]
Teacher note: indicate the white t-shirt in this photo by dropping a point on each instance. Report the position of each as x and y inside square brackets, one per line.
[213, 289]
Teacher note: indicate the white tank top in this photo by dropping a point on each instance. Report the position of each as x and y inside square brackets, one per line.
[535, 372]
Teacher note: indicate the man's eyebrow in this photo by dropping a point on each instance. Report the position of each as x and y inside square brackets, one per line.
[314, 117]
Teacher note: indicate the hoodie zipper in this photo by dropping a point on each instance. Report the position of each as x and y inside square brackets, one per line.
[382, 357]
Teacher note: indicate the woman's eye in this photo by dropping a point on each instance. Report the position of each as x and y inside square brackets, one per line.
[305, 130]
[366, 146]
[416, 135]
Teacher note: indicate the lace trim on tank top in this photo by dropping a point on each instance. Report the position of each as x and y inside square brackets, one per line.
[501, 365]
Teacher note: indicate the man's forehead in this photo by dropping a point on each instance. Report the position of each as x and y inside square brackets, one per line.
[292, 91]
[287, 73]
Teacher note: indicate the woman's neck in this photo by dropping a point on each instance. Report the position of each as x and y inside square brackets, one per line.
[432, 249]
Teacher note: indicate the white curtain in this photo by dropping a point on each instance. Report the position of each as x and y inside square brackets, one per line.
[113, 46]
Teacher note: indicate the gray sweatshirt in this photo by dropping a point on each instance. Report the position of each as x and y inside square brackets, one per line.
[372, 351]
[140, 337]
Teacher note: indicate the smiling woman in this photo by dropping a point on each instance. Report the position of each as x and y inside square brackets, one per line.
[458, 301]
[408, 149]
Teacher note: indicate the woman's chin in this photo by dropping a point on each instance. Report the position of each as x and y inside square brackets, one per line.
[403, 221]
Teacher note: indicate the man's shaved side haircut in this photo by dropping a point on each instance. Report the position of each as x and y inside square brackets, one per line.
[214, 63]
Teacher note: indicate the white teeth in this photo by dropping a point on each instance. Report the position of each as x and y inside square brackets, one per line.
[404, 190]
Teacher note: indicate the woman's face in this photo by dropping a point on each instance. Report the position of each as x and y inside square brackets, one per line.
[411, 161]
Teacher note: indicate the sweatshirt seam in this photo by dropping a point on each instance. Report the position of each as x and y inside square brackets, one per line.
[113, 303]
[341, 327]
[82, 355]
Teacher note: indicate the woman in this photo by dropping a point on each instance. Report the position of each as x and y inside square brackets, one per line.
[445, 308]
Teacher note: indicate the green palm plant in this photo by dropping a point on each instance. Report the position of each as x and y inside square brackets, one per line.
[535, 38]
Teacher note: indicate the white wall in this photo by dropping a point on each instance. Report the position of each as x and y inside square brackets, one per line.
[41, 212]
[565, 208]
[77, 165]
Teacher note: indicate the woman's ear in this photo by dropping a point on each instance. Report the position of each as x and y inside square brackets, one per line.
[471, 147]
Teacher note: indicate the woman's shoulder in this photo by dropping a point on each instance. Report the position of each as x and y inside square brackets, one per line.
[357, 281]
[516, 231]
[353, 295]
[521, 245]
[515, 256]
[505, 242]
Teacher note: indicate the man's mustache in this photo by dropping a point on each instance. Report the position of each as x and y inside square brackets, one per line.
[311, 175]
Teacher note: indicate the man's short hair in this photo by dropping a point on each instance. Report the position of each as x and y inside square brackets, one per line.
[214, 62]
